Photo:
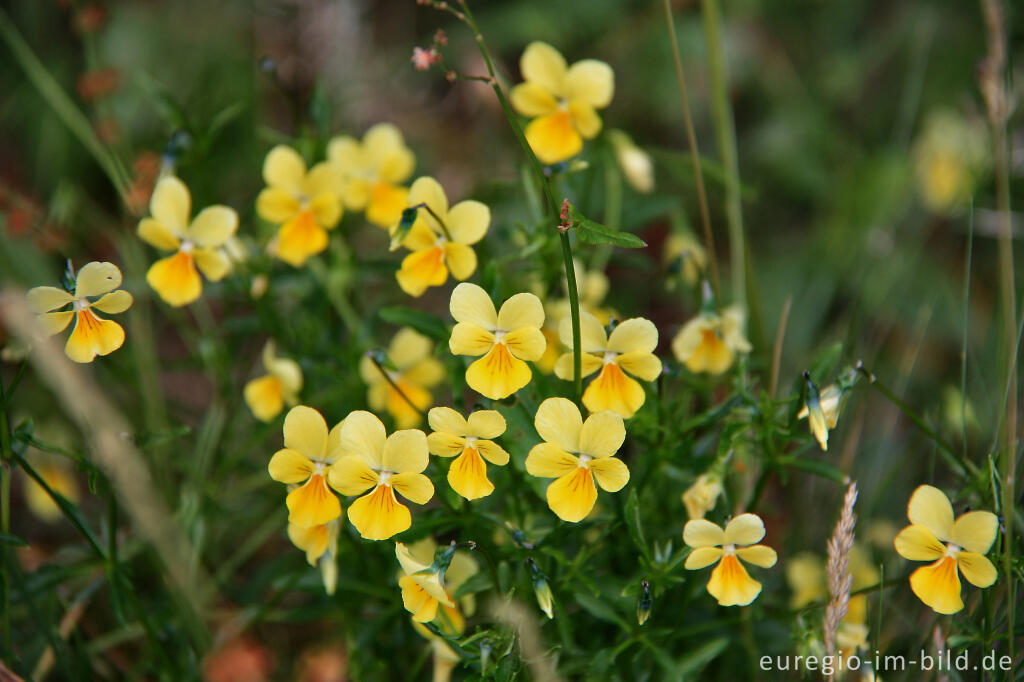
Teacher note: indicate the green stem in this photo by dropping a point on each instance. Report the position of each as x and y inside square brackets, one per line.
[725, 133]
[574, 309]
[394, 386]
[444, 228]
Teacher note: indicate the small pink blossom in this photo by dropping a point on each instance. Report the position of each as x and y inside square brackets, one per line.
[424, 59]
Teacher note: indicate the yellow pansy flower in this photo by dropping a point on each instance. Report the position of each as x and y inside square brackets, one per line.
[575, 453]
[440, 238]
[315, 541]
[562, 101]
[91, 335]
[687, 253]
[372, 171]
[505, 339]
[305, 460]
[197, 244]
[471, 440]
[953, 546]
[61, 480]
[304, 203]
[382, 464]
[415, 371]
[267, 395]
[628, 350]
[730, 583]
[709, 342]
[700, 498]
[592, 287]
[822, 411]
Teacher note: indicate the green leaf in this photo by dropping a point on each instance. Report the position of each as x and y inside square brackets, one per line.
[696, 659]
[478, 582]
[632, 513]
[599, 609]
[823, 469]
[8, 539]
[424, 323]
[592, 232]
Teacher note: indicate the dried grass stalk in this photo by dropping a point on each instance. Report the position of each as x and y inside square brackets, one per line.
[840, 545]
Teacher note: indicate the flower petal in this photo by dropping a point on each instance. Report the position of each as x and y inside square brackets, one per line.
[636, 335]
[543, 65]
[468, 221]
[759, 555]
[702, 557]
[610, 473]
[470, 339]
[470, 303]
[929, 507]
[521, 310]
[97, 278]
[492, 452]
[445, 444]
[275, 205]
[550, 461]
[155, 233]
[417, 601]
[213, 263]
[406, 452]
[644, 366]
[363, 436]
[917, 543]
[114, 302]
[408, 347]
[312, 541]
[284, 168]
[468, 476]
[589, 364]
[300, 238]
[312, 504]
[306, 431]
[975, 531]
[326, 208]
[351, 476]
[614, 391]
[55, 323]
[553, 138]
[413, 486]
[978, 570]
[526, 343]
[590, 81]
[171, 205]
[447, 420]
[572, 496]
[559, 421]
[703, 533]
[45, 299]
[602, 434]
[93, 336]
[938, 586]
[213, 226]
[263, 396]
[379, 515]
[427, 190]
[584, 119]
[175, 279]
[730, 583]
[421, 270]
[592, 335]
[486, 424]
[385, 204]
[384, 149]
[532, 100]
[428, 372]
[460, 259]
[290, 466]
[498, 374]
[745, 529]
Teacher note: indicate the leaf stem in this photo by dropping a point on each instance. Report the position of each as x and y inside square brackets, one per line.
[394, 386]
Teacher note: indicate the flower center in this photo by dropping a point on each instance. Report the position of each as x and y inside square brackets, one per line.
[729, 549]
[471, 442]
[584, 461]
[609, 357]
[385, 478]
[81, 304]
[499, 335]
[952, 550]
[186, 246]
[319, 468]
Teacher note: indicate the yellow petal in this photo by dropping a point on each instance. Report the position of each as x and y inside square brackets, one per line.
[572, 496]
[636, 335]
[745, 529]
[155, 233]
[45, 299]
[701, 496]
[975, 531]
[385, 150]
[363, 436]
[602, 434]
[589, 364]
[417, 601]
[421, 270]
[610, 473]
[406, 452]
[978, 570]
[592, 336]
[398, 401]
[386, 203]
[39, 500]
[284, 168]
[468, 475]
[445, 444]
[759, 555]
[532, 100]
[938, 586]
[584, 119]
[212, 263]
[306, 431]
[917, 543]
[290, 466]
[543, 65]
[312, 504]
[171, 204]
[276, 205]
[470, 303]
[486, 424]
[498, 374]
[287, 371]
[461, 260]
[701, 349]
[379, 515]
[492, 452]
[326, 209]
[263, 396]
[559, 421]
[93, 336]
[114, 302]
[591, 81]
[213, 226]
[300, 238]
[321, 179]
[408, 347]
[929, 507]
[553, 138]
[175, 279]
[448, 420]
[97, 278]
[55, 323]
[312, 541]
[731, 585]
[468, 221]
[702, 557]
[550, 461]
[427, 190]
[470, 339]
[413, 487]
[702, 533]
[526, 343]
[644, 366]
[351, 476]
[613, 390]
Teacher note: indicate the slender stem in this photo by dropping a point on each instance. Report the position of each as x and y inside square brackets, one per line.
[394, 386]
[777, 353]
[691, 141]
[574, 309]
[966, 324]
[444, 228]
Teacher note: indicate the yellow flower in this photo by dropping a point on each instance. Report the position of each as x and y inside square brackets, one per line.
[470, 439]
[562, 101]
[315, 541]
[700, 498]
[962, 544]
[305, 204]
[305, 459]
[505, 339]
[92, 335]
[372, 171]
[592, 287]
[730, 584]
[636, 164]
[197, 244]
[690, 255]
[382, 464]
[416, 370]
[267, 395]
[709, 342]
[949, 158]
[60, 480]
[822, 411]
[440, 238]
[628, 350]
[575, 453]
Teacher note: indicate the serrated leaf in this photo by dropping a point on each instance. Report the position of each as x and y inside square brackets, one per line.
[423, 322]
[592, 232]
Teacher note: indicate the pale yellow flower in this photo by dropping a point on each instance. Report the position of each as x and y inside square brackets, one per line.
[372, 172]
[472, 440]
[415, 372]
[730, 583]
[709, 342]
[636, 164]
[700, 498]
[267, 395]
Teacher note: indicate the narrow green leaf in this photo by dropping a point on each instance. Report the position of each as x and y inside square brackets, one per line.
[424, 323]
[592, 232]
[632, 513]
